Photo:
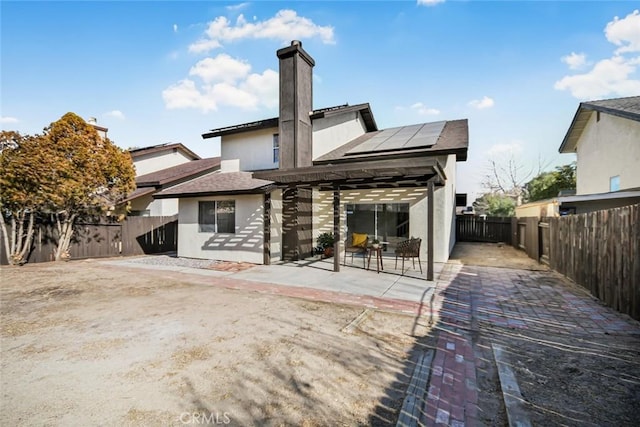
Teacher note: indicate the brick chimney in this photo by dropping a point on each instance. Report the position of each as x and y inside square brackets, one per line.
[296, 102]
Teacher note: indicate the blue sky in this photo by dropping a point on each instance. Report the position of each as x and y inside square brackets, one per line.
[162, 71]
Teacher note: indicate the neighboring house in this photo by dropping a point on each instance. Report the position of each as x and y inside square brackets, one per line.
[159, 167]
[605, 136]
[285, 180]
[102, 131]
[162, 156]
[142, 201]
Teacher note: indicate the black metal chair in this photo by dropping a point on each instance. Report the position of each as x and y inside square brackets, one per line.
[409, 249]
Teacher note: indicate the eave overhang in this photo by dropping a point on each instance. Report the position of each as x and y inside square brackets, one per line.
[387, 173]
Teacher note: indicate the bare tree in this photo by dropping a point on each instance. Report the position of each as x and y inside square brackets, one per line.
[507, 175]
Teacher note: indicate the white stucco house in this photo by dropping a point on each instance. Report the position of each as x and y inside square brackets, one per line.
[160, 167]
[605, 137]
[284, 180]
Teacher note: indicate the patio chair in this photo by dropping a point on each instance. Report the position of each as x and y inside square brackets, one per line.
[356, 245]
[409, 249]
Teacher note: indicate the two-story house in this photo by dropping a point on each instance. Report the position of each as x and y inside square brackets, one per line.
[159, 167]
[605, 136]
[284, 180]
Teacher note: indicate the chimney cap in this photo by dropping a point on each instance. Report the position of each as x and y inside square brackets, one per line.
[296, 47]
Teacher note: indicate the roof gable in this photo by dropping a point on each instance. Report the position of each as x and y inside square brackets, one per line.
[626, 108]
[136, 153]
[364, 109]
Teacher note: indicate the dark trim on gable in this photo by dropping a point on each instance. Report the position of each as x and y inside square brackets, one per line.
[364, 109]
[583, 113]
[244, 127]
[259, 190]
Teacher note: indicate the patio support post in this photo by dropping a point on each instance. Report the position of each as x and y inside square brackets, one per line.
[430, 209]
[336, 228]
[266, 215]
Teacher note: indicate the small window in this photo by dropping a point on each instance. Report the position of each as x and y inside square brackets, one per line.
[614, 183]
[276, 148]
[217, 216]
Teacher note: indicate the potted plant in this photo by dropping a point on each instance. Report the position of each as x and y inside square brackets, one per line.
[375, 244]
[326, 241]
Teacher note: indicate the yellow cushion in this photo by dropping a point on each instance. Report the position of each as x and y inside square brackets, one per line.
[359, 239]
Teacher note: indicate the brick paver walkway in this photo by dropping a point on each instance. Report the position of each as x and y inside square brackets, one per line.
[471, 299]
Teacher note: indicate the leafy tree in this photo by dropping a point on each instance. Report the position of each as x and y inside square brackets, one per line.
[21, 193]
[87, 175]
[548, 184]
[495, 204]
[69, 172]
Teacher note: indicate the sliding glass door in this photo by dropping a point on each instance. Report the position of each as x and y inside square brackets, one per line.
[387, 222]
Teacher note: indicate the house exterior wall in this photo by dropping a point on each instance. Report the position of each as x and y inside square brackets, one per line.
[607, 148]
[153, 162]
[417, 199]
[445, 211]
[542, 208]
[156, 207]
[245, 245]
[254, 149]
[331, 132]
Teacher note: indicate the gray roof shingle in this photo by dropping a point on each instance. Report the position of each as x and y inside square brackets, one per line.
[217, 183]
[178, 173]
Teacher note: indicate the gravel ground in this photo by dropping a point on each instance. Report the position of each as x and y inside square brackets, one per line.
[173, 260]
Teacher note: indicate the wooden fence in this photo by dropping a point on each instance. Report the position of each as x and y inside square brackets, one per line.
[483, 229]
[134, 236]
[599, 251]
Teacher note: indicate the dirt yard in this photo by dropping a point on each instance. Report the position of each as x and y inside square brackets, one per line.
[87, 344]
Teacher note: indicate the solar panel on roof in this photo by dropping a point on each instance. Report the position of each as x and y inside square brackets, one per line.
[402, 138]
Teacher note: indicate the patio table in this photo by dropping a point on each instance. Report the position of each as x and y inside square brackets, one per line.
[378, 252]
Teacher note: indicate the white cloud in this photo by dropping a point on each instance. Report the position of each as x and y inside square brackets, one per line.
[175, 28]
[575, 61]
[204, 45]
[185, 94]
[8, 120]
[264, 86]
[511, 148]
[117, 114]
[224, 81]
[614, 76]
[237, 6]
[608, 76]
[483, 103]
[429, 2]
[221, 68]
[284, 26]
[625, 32]
[423, 110]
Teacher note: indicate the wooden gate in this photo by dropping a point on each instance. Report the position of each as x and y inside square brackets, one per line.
[492, 229]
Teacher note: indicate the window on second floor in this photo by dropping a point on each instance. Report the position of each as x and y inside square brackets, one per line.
[614, 183]
[276, 148]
